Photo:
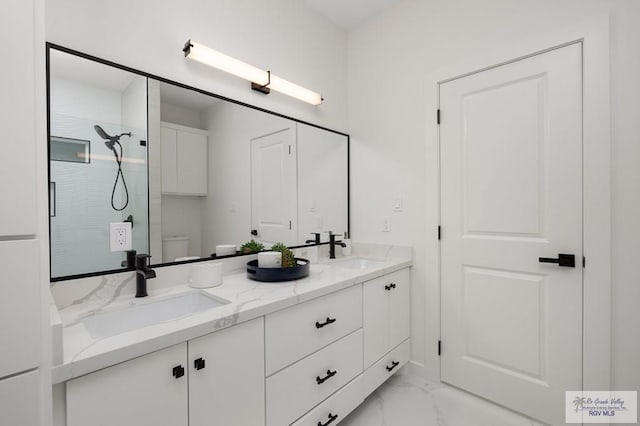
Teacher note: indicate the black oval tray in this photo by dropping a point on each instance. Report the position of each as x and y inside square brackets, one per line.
[271, 275]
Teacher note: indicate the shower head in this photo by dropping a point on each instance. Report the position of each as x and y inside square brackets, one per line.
[110, 141]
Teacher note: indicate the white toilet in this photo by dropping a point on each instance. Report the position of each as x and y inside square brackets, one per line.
[174, 248]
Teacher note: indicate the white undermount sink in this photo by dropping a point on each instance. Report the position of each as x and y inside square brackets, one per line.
[148, 311]
[358, 263]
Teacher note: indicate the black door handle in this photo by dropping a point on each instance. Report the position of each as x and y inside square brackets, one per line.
[198, 364]
[390, 286]
[327, 322]
[178, 371]
[332, 418]
[254, 232]
[567, 260]
[394, 364]
[330, 374]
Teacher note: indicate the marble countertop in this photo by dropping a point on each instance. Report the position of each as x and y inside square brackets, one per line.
[82, 354]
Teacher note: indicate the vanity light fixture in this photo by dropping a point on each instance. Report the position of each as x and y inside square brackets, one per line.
[261, 81]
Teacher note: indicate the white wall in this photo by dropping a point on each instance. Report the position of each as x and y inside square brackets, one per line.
[285, 36]
[181, 217]
[322, 182]
[226, 212]
[389, 59]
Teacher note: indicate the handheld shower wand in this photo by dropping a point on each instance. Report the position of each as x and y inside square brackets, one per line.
[111, 142]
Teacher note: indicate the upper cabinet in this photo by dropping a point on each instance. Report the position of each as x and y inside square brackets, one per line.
[184, 160]
[18, 109]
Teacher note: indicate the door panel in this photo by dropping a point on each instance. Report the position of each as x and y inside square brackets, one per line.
[274, 187]
[511, 176]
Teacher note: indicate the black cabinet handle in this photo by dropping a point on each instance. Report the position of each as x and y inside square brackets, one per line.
[567, 260]
[254, 232]
[198, 364]
[390, 286]
[332, 418]
[327, 322]
[330, 374]
[394, 364]
[178, 371]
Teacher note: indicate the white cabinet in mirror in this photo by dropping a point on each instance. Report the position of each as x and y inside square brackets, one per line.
[190, 170]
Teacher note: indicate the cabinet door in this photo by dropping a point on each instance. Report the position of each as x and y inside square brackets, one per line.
[146, 391]
[168, 168]
[226, 377]
[386, 314]
[400, 308]
[192, 163]
[19, 307]
[19, 397]
[375, 309]
[18, 118]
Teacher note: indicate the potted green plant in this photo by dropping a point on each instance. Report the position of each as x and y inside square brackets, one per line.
[251, 247]
[288, 259]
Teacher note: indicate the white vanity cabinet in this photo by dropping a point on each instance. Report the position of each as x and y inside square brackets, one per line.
[183, 160]
[146, 391]
[386, 314]
[312, 350]
[214, 379]
[226, 377]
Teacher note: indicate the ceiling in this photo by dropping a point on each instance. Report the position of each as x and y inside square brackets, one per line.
[348, 14]
[75, 68]
[185, 98]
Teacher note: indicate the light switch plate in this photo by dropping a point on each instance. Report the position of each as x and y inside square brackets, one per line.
[397, 203]
[386, 224]
[120, 236]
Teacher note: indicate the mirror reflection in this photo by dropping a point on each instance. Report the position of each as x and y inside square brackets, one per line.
[187, 171]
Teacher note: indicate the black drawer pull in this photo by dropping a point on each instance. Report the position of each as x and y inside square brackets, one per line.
[394, 364]
[390, 286]
[178, 371]
[330, 374]
[327, 322]
[567, 260]
[198, 364]
[332, 417]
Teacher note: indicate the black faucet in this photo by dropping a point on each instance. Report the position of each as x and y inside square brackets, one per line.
[143, 273]
[316, 240]
[332, 245]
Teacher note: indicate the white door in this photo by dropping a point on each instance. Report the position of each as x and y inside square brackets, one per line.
[511, 181]
[274, 187]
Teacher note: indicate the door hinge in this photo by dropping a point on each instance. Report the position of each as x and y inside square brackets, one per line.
[439, 232]
[290, 225]
[289, 149]
[584, 262]
[439, 347]
[438, 115]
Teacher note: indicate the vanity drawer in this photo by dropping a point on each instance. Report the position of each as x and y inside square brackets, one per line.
[293, 333]
[336, 407]
[292, 391]
[379, 372]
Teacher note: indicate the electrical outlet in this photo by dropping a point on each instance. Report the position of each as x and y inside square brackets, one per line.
[386, 224]
[120, 236]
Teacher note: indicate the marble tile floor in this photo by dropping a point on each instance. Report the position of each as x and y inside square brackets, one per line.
[406, 400]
